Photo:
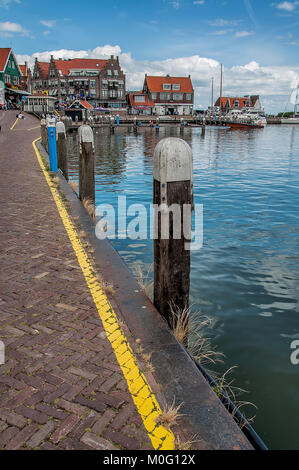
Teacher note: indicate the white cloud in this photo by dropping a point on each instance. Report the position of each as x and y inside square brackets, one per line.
[287, 6]
[274, 84]
[221, 22]
[221, 32]
[6, 3]
[48, 23]
[11, 28]
[243, 34]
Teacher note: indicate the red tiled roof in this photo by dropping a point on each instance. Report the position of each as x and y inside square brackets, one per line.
[155, 84]
[242, 100]
[80, 64]
[44, 68]
[86, 105]
[23, 70]
[4, 53]
[146, 102]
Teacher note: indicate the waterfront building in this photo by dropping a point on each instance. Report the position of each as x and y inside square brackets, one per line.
[139, 103]
[100, 82]
[170, 95]
[26, 77]
[230, 103]
[10, 79]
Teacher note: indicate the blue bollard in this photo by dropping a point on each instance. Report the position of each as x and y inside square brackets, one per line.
[52, 145]
[117, 120]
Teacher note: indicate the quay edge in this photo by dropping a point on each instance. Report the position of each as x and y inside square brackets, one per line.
[204, 417]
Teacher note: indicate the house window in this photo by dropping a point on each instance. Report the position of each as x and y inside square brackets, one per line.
[120, 94]
[109, 72]
[178, 96]
[7, 78]
[176, 87]
[12, 64]
[104, 93]
[236, 103]
[247, 104]
[92, 83]
[154, 96]
[116, 73]
[166, 86]
[16, 80]
[165, 96]
[139, 98]
[104, 83]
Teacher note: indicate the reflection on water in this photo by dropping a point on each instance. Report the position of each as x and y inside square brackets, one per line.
[246, 276]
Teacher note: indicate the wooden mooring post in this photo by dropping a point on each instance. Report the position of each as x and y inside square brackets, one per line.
[203, 127]
[182, 125]
[86, 163]
[62, 148]
[173, 198]
[112, 125]
[44, 134]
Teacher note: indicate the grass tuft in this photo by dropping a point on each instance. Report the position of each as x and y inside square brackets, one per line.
[144, 282]
[74, 186]
[170, 415]
[90, 207]
[184, 445]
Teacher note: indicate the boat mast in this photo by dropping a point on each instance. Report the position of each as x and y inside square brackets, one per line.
[221, 78]
[296, 100]
[212, 97]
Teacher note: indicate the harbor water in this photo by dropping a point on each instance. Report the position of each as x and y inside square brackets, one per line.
[246, 275]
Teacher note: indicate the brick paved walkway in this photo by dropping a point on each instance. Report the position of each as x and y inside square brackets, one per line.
[61, 386]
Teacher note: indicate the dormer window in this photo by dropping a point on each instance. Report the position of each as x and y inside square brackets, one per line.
[176, 87]
[236, 103]
[166, 86]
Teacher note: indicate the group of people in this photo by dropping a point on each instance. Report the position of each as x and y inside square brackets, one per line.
[8, 104]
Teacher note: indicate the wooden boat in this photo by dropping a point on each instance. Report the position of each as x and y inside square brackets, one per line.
[246, 125]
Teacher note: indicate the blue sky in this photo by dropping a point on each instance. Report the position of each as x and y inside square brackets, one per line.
[261, 35]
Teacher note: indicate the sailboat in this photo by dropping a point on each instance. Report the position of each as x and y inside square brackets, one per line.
[295, 118]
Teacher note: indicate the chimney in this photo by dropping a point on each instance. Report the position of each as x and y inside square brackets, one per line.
[112, 57]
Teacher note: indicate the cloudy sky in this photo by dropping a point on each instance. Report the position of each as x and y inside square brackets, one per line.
[256, 40]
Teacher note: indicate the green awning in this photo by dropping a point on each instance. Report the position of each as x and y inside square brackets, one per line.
[18, 92]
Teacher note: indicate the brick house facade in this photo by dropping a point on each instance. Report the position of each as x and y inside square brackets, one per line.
[100, 82]
[170, 95]
[26, 77]
[10, 73]
[237, 102]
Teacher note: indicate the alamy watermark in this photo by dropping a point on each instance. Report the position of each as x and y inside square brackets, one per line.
[140, 222]
[295, 354]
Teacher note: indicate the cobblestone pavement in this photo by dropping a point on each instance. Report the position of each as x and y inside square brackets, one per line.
[61, 386]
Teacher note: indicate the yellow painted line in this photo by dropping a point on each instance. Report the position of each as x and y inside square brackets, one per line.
[143, 397]
[31, 128]
[14, 124]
